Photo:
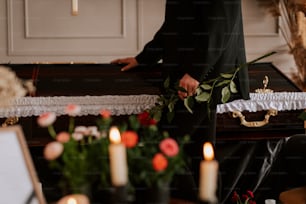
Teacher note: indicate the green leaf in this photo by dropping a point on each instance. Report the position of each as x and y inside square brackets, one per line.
[188, 103]
[167, 83]
[221, 83]
[170, 116]
[203, 97]
[171, 106]
[226, 94]
[226, 75]
[206, 86]
[233, 87]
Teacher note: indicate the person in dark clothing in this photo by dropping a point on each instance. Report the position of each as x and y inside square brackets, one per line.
[198, 40]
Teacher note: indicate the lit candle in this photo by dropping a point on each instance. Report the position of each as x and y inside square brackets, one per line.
[208, 175]
[74, 199]
[117, 156]
[75, 8]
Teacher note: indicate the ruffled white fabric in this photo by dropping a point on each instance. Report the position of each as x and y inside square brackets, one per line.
[281, 101]
[133, 104]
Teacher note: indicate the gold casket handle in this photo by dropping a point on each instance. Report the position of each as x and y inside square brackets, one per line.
[238, 114]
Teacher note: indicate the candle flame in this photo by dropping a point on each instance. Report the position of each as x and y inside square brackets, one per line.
[208, 151]
[72, 201]
[114, 135]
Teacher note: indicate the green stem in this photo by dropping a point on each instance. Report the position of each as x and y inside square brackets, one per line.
[71, 125]
[52, 131]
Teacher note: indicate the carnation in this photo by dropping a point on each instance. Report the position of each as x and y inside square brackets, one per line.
[169, 147]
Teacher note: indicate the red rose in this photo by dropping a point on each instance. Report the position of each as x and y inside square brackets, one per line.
[129, 138]
[145, 119]
[159, 162]
[250, 193]
[244, 197]
[235, 197]
[169, 147]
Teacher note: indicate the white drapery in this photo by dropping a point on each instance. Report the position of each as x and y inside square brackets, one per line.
[133, 104]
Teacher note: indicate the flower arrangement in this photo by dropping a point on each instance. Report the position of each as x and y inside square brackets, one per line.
[81, 154]
[247, 198]
[153, 156]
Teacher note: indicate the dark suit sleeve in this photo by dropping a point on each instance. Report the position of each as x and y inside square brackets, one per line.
[152, 52]
[223, 24]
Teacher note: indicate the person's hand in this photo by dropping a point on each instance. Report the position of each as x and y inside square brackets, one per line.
[189, 84]
[129, 63]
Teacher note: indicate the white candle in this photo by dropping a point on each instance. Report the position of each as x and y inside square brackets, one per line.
[208, 175]
[74, 199]
[75, 9]
[117, 156]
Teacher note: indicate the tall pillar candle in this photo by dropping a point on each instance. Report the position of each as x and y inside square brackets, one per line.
[118, 161]
[208, 175]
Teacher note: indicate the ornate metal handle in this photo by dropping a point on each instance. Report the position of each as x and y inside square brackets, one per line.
[10, 121]
[238, 114]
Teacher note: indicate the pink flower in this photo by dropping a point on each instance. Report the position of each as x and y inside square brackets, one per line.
[53, 150]
[105, 114]
[46, 119]
[169, 147]
[159, 162]
[82, 130]
[72, 110]
[63, 137]
[93, 131]
[77, 136]
[129, 138]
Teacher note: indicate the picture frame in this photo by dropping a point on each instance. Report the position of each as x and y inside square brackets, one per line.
[19, 183]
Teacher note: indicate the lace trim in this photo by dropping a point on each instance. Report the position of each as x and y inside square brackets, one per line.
[133, 104]
[281, 101]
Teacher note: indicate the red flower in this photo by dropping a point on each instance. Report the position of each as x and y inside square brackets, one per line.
[105, 114]
[169, 147]
[145, 119]
[159, 162]
[235, 197]
[244, 197]
[252, 202]
[250, 193]
[129, 138]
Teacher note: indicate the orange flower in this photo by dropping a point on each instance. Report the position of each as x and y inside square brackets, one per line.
[63, 137]
[169, 147]
[129, 138]
[105, 114]
[159, 162]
